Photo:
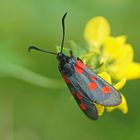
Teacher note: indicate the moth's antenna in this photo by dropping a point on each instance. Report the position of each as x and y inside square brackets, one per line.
[63, 27]
[35, 48]
[63, 37]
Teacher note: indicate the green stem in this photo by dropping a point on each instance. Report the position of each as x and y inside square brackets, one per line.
[22, 73]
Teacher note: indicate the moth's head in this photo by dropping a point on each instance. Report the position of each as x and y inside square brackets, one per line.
[62, 59]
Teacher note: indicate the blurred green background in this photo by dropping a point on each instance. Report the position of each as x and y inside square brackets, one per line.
[32, 112]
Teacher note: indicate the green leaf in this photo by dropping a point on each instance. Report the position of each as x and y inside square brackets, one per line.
[77, 50]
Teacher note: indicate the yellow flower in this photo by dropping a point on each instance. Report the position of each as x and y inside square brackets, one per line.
[123, 106]
[96, 31]
[115, 53]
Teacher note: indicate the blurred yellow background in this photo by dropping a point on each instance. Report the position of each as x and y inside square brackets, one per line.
[32, 112]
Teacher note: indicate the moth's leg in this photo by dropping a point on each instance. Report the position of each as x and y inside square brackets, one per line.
[79, 59]
[71, 53]
[100, 65]
[95, 69]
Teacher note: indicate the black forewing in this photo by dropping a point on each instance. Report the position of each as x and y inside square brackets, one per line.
[81, 81]
[90, 109]
[113, 98]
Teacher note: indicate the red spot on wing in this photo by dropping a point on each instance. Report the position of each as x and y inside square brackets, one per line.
[93, 78]
[66, 79]
[79, 67]
[92, 86]
[106, 90]
[80, 64]
[83, 106]
[79, 96]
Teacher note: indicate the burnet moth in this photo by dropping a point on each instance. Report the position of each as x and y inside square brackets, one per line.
[84, 84]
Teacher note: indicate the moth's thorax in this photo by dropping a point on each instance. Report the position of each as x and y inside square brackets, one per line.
[65, 64]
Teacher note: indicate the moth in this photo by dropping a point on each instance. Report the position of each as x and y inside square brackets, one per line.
[84, 84]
